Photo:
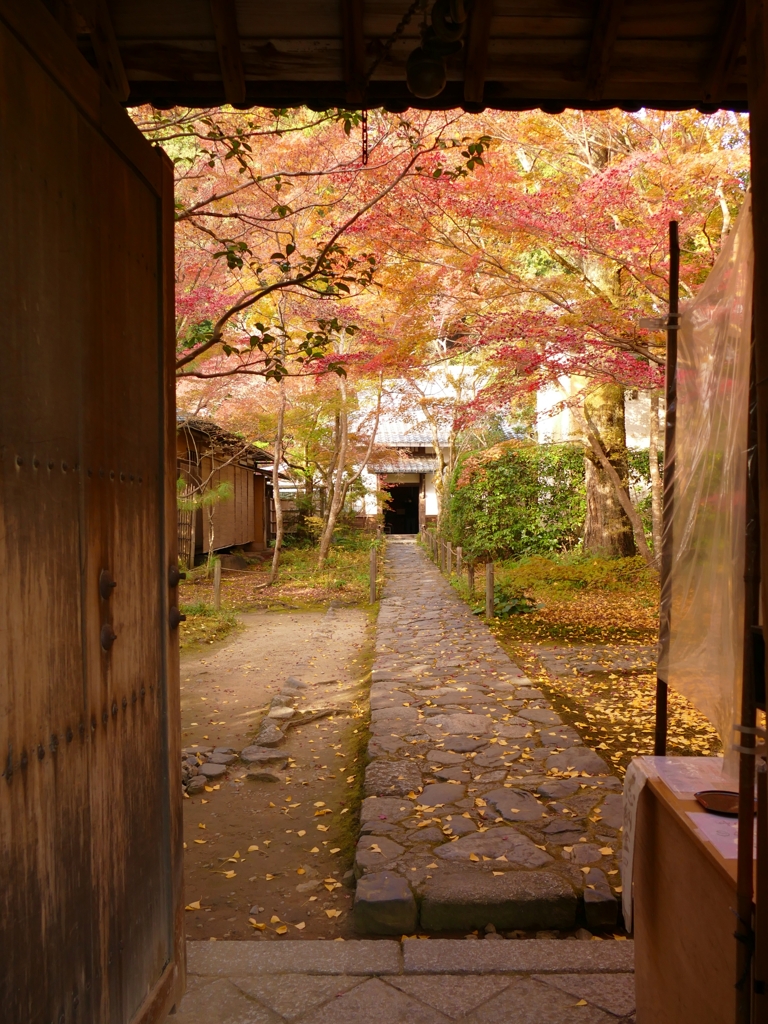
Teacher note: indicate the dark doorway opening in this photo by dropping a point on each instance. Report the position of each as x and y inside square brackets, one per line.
[402, 514]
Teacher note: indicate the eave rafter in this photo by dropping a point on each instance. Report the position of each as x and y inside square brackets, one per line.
[354, 50]
[476, 66]
[96, 16]
[723, 61]
[225, 28]
[602, 45]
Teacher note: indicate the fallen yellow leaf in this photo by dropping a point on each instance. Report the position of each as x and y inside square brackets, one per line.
[581, 1002]
[473, 856]
[200, 825]
[336, 849]
[201, 842]
[323, 828]
[606, 851]
[333, 913]
[319, 803]
[257, 924]
[281, 929]
[269, 877]
[230, 874]
[193, 906]
[300, 926]
[302, 832]
[252, 848]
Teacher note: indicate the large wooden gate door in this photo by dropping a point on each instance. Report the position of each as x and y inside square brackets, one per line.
[90, 797]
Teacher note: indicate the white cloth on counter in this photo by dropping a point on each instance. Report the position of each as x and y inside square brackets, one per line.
[685, 776]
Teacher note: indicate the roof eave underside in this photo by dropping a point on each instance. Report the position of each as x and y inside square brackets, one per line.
[548, 54]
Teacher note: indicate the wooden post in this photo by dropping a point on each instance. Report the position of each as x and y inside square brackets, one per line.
[448, 557]
[217, 585]
[489, 608]
[665, 602]
[757, 87]
[471, 577]
[745, 936]
[372, 570]
[459, 558]
[441, 561]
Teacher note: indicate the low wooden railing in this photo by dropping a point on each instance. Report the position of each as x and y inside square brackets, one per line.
[446, 556]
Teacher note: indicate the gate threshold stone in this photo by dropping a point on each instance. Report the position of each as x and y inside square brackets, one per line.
[478, 797]
[514, 899]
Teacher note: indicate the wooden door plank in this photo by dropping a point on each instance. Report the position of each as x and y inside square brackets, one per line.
[604, 33]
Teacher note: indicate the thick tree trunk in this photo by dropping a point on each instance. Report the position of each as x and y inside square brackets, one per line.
[656, 483]
[607, 529]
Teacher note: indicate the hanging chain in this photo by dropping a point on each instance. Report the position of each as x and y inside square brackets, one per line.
[364, 126]
[389, 43]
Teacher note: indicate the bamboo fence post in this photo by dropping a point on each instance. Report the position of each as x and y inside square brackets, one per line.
[459, 559]
[372, 571]
[217, 585]
[489, 590]
[471, 577]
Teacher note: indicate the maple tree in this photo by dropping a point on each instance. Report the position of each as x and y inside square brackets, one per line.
[555, 250]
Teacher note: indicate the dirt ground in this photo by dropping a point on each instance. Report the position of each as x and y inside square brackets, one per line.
[267, 859]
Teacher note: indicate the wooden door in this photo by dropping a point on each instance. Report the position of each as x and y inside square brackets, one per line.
[90, 797]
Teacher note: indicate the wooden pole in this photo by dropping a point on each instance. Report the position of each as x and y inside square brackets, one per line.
[217, 585]
[665, 603]
[745, 864]
[372, 576]
[448, 557]
[459, 559]
[489, 605]
[471, 577]
[760, 978]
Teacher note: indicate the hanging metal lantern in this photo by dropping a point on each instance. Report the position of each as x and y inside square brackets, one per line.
[425, 74]
[425, 69]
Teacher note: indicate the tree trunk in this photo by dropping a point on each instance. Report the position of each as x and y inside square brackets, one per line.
[656, 483]
[276, 487]
[607, 529]
[337, 499]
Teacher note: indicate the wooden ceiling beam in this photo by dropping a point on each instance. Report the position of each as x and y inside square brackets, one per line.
[225, 28]
[104, 41]
[354, 50]
[604, 33]
[729, 41]
[476, 65]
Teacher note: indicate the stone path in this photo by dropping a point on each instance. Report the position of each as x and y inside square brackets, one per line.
[482, 808]
[410, 982]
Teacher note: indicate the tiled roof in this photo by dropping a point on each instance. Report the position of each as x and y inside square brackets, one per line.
[404, 465]
[407, 438]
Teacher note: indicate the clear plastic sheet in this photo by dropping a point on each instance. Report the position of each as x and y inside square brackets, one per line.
[706, 624]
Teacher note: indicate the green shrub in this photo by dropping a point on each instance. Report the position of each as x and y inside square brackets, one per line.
[517, 499]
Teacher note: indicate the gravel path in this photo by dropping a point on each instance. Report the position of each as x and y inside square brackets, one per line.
[482, 808]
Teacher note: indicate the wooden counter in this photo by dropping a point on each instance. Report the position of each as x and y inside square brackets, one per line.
[684, 899]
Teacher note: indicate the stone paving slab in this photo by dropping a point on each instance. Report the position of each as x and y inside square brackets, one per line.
[488, 778]
[308, 956]
[451, 956]
[409, 982]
